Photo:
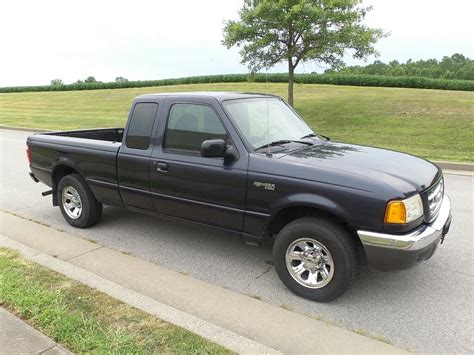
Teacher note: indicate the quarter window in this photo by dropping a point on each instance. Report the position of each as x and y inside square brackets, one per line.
[189, 125]
[141, 124]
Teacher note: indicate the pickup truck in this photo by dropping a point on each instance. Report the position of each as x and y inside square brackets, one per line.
[248, 164]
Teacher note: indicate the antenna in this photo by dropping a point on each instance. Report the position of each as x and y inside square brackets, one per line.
[269, 154]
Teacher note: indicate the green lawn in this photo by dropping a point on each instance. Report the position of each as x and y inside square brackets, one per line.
[434, 124]
[85, 320]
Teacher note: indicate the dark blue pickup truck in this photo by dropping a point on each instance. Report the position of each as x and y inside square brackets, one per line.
[247, 163]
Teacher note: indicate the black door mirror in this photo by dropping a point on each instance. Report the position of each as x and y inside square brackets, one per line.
[213, 148]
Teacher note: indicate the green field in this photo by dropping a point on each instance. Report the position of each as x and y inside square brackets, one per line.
[434, 124]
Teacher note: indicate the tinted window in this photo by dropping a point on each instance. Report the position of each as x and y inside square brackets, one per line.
[139, 130]
[189, 125]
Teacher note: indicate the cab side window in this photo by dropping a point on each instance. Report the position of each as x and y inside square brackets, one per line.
[141, 124]
[189, 125]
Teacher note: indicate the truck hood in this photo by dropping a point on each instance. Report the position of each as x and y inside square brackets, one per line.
[403, 172]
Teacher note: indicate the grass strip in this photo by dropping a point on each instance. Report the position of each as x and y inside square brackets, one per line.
[85, 320]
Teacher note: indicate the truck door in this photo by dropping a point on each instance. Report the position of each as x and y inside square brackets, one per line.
[188, 186]
[134, 156]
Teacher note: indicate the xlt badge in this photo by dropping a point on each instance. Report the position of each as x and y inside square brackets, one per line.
[265, 185]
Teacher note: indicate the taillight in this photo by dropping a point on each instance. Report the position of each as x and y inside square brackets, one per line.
[28, 154]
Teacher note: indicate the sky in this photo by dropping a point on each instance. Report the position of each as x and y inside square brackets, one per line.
[155, 39]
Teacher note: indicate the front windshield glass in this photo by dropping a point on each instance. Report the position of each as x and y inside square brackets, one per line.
[266, 120]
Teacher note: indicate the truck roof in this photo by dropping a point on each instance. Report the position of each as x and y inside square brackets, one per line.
[220, 96]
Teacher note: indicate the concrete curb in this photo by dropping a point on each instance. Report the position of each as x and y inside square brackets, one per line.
[450, 165]
[205, 329]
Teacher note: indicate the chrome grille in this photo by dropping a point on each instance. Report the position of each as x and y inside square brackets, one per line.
[435, 198]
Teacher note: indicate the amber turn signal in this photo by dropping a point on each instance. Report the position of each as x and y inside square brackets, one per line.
[396, 212]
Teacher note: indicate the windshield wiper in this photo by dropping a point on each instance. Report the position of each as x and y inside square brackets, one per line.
[311, 135]
[282, 141]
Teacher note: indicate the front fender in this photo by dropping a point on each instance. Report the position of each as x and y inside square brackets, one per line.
[258, 224]
[310, 201]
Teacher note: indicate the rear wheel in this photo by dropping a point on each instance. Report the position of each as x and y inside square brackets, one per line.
[77, 203]
[315, 258]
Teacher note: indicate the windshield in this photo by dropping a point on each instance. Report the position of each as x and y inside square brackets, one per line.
[266, 120]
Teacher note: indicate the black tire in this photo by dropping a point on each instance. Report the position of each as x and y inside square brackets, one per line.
[91, 208]
[336, 239]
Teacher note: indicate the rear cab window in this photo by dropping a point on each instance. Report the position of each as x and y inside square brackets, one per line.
[141, 125]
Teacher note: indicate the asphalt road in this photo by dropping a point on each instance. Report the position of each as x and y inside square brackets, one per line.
[428, 308]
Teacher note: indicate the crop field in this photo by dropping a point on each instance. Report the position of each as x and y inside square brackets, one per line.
[435, 124]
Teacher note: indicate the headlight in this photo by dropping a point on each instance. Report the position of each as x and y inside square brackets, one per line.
[404, 211]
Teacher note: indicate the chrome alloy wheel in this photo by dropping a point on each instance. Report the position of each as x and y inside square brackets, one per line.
[310, 263]
[72, 202]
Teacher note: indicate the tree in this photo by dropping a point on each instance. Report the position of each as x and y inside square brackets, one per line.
[447, 75]
[90, 79]
[398, 71]
[57, 82]
[121, 79]
[296, 31]
[377, 68]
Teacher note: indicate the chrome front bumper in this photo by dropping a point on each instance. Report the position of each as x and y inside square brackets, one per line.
[416, 239]
[393, 251]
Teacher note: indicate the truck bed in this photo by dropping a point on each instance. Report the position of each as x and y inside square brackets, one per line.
[114, 135]
[92, 153]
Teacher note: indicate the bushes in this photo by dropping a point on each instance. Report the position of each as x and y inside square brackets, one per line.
[387, 81]
[333, 79]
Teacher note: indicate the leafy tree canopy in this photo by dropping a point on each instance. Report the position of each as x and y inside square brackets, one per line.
[57, 82]
[121, 79]
[294, 31]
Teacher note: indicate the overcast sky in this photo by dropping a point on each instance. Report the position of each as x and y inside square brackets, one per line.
[142, 40]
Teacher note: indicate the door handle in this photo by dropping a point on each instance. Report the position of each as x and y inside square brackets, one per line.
[162, 167]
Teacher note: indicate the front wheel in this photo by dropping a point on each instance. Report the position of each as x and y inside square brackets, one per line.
[78, 204]
[315, 258]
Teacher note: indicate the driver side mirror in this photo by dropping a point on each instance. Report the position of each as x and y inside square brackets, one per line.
[214, 148]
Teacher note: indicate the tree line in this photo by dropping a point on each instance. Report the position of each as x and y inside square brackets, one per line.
[88, 80]
[332, 79]
[456, 66]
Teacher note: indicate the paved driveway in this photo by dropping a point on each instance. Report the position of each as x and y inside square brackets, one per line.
[428, 308]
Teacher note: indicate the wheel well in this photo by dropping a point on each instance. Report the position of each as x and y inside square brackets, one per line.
[59, 172]
[289, 214]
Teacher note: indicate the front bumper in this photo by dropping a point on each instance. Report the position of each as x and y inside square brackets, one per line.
[397, 252]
